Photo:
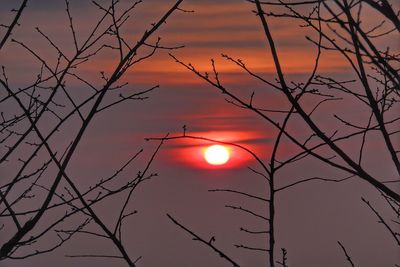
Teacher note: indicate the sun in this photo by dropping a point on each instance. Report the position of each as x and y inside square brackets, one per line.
[216, 155]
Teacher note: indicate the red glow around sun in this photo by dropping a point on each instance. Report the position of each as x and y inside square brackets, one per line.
[191, 153]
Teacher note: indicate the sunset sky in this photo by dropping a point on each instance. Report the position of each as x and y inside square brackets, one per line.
[311, 218]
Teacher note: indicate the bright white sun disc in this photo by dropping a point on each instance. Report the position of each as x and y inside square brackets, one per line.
[216, 155]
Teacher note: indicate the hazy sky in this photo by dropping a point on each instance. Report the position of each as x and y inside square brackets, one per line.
[311, 218]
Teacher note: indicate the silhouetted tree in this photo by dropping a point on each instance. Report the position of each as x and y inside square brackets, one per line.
[342, 27]
[39, 199]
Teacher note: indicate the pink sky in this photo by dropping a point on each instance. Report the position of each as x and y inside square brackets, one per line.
[215, 28]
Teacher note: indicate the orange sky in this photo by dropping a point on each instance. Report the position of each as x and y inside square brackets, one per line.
[216, 27]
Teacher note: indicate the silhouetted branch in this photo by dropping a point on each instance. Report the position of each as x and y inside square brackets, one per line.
[186, 136]
[346, 254]
[247, 211]
[207, 243]
[283, 263]
[314, 179]
[395, 235]
[253, 232]
[239, 193]
[13, 24]
[251, 248]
